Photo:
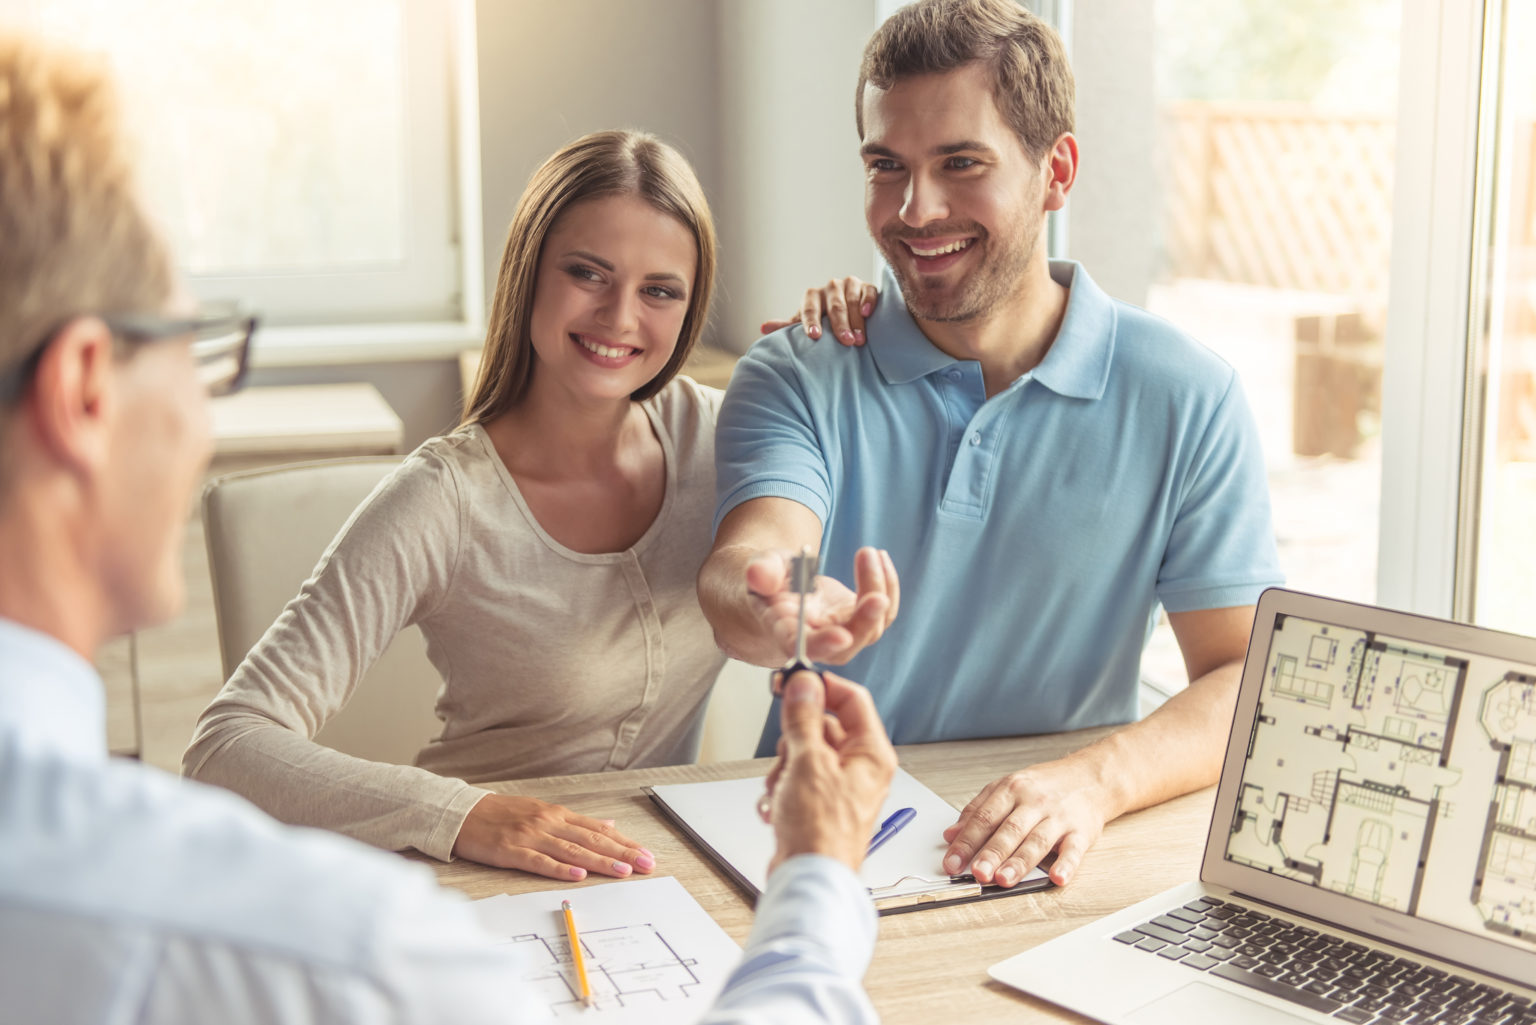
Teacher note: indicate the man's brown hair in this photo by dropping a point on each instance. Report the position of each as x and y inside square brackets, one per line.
[1031, 77]
[73, 238]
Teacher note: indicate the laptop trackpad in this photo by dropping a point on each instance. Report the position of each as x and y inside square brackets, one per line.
[1200, 1002]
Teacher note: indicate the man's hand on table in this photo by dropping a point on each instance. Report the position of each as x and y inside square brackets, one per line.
[1009, 828]
[1062, 806]
[839, 622]
[833, 771]
[546, 839]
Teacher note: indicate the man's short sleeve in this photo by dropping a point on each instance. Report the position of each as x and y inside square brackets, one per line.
[768, 444]
[1221, 551]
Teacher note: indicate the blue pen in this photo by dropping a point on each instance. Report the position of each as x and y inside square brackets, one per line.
[890, 827]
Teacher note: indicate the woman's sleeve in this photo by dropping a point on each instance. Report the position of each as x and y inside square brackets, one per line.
[390, 566]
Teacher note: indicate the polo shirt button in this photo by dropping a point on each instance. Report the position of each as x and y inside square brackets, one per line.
[975, 439]
[953, 375]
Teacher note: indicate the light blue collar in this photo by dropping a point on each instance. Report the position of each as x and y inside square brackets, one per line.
[50, 698]
[1076, 365]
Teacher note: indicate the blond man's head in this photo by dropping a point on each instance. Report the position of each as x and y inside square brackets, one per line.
[102, 442]
[73, 237]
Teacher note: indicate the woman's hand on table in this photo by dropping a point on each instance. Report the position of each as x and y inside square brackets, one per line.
[846, 303]
[546, 839]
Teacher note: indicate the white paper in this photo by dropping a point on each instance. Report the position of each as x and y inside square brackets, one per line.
[652, 953]
[724, 815]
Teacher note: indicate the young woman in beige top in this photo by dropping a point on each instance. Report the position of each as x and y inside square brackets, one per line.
[547, 549]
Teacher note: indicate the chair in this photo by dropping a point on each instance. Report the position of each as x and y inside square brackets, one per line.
[737, 709]
[266, 529]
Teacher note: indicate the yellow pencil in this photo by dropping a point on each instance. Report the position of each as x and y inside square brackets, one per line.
[576, 956]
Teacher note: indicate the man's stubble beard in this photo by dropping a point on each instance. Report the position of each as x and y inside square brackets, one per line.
[998, 276]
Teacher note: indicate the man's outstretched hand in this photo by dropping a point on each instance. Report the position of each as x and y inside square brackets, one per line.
[839, 622]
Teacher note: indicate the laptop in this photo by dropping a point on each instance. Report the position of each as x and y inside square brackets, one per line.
[1372, 853]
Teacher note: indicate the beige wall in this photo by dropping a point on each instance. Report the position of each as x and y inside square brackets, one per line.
[1112, 217]
[792, 211]
[550, 72]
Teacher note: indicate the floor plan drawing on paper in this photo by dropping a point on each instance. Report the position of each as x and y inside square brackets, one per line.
[1372, 761]
[652, 953]
[627, 966]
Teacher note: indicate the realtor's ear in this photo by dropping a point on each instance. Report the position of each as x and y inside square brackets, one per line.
[69, 399]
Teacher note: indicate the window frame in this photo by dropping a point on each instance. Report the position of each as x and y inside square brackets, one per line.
[1429, 434]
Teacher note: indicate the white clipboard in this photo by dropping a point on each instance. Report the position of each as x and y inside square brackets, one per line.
[905, 874]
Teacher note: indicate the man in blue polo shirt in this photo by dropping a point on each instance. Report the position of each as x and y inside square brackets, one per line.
[1043, 464]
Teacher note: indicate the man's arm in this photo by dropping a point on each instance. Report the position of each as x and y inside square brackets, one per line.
[743, 589]
[1062, 806]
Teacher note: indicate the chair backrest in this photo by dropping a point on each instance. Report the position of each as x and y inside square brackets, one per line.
[266, 529]
[737, 708]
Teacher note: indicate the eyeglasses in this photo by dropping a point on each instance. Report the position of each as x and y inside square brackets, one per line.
[221, 341]
[221, 346]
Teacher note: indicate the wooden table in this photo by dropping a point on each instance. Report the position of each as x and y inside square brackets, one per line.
[930, 965]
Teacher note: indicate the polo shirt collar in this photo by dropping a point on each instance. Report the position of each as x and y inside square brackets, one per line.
[50, 698]
[900, 349]
[1076, 366]
[1077, 363]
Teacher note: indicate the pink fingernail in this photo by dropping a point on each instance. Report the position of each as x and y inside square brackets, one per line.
[646, 860]
[578, 873]
[858, 336]
[814, 332]
[952, 864]
[847, 336]
[982, 869]
[867, 309]
[622, 868]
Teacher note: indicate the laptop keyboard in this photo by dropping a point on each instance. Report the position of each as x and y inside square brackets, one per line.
[1350, 981]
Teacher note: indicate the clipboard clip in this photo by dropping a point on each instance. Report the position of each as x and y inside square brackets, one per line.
[909, 891]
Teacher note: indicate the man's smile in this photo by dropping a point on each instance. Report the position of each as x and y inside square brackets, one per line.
[933, 249]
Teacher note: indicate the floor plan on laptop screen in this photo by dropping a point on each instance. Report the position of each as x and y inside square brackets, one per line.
[1395, 773]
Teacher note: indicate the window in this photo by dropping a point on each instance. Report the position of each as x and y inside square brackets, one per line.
[1502, 587]
[301, 154]
[1272, 157]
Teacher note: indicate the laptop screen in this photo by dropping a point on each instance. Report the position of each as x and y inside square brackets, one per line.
[1394, 772]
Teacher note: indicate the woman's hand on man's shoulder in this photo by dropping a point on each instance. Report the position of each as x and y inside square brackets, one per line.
[845, 302]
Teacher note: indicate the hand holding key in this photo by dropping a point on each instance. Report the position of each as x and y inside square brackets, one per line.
[839, 622]
[802, 581]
